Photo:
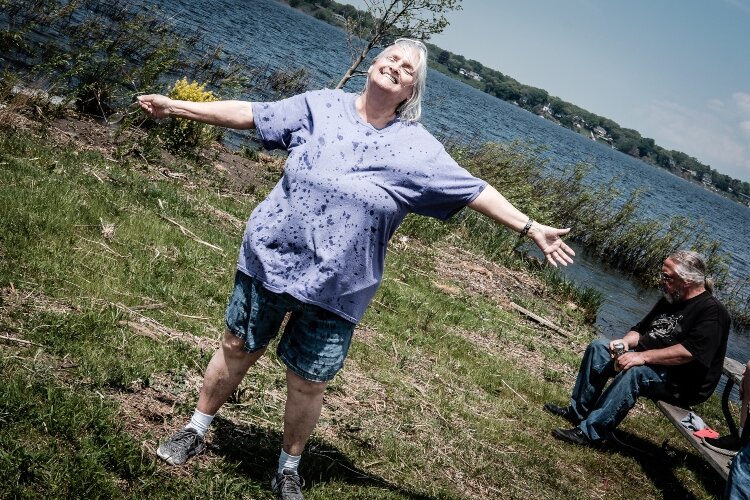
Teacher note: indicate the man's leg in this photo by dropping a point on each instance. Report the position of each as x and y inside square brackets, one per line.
[620, 397]
[596, 369]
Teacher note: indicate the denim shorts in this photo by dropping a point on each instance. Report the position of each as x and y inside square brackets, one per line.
[315, 341]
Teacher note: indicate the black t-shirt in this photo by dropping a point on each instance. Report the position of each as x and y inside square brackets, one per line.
[701, 325]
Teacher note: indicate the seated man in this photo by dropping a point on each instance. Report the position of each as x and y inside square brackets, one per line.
[675, 353]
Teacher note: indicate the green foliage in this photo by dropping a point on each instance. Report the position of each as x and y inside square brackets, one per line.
[181, 135]
[287, 83]
[606, 226]
[58, 442]
[121, 49]
[439, 368]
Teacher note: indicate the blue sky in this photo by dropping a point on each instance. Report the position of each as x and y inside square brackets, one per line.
[677, 71]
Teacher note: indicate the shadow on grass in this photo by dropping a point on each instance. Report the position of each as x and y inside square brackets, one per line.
[255, 450]
[660, 462]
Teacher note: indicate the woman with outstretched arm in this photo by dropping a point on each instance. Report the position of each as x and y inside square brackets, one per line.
[316, 246]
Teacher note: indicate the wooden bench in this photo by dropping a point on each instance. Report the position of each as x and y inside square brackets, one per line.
[733, 370]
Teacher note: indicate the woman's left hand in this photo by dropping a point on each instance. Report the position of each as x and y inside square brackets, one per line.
[548, 240]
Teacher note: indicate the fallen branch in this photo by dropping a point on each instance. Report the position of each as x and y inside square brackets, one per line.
[103, 245]
[514, 391]
[540, 320]
[149, 327]
[187, 232]
[20, 341]
[192, 317]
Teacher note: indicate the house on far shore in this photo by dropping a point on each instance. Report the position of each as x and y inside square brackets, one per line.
[601, 133]
[578, 122]
[691, 173]
[469, 74]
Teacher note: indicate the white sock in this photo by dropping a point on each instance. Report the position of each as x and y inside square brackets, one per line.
[286, 461]
[200, 422]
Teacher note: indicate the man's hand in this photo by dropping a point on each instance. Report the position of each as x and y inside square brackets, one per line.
[630, 359]
[612, 346]
[158, 106]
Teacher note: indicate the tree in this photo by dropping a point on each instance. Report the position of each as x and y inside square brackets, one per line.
[396, 18]
[475, 66]
[444, 57]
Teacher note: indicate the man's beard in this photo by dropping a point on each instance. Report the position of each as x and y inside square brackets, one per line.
[672, 297]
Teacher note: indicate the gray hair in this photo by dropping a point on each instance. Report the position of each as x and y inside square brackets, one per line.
[691, 268]
[411, 108]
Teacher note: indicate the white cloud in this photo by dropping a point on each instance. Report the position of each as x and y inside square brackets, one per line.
[718, 134]
[716, 104]
[743, 101]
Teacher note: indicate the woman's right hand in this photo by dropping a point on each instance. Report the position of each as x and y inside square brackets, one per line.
[158, 106]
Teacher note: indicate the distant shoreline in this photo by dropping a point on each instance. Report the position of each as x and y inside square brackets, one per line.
[553, 109]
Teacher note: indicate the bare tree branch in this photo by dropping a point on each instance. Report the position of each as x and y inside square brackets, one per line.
[417, 19]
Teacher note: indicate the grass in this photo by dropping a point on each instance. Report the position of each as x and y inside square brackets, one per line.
[120, 309]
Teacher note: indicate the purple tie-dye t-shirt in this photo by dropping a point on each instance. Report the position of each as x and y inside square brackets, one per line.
[321, 234]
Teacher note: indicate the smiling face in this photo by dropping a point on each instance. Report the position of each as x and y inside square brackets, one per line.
[393, 71]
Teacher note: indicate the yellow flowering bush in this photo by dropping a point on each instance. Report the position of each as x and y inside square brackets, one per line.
[185, 135]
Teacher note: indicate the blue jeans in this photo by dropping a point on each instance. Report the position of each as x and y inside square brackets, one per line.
[600, 410]
[738, 484]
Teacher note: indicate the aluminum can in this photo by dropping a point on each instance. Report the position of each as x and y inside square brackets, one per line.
[618, 348]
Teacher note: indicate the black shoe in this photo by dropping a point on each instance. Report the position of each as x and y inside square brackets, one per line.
[574, 435]
[561, 411]
[179, 448]
[287, 485]
[727, 445]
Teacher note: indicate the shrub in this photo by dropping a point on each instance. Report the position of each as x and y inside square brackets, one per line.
[181, 135]
[289, 82]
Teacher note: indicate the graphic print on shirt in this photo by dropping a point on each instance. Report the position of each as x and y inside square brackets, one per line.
[665, 328]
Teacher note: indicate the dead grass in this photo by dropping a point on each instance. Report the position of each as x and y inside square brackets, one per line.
[413, 417]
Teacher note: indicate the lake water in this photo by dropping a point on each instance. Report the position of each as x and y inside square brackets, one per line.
[265, 33]
[268, 33]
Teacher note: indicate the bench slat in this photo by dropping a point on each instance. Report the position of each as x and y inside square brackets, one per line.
[675, 414]
[734, 369]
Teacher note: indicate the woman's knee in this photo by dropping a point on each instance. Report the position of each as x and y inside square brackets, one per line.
[299, 384]
[234, 347]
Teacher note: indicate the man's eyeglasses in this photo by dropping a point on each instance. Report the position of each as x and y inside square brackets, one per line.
[665, 278]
